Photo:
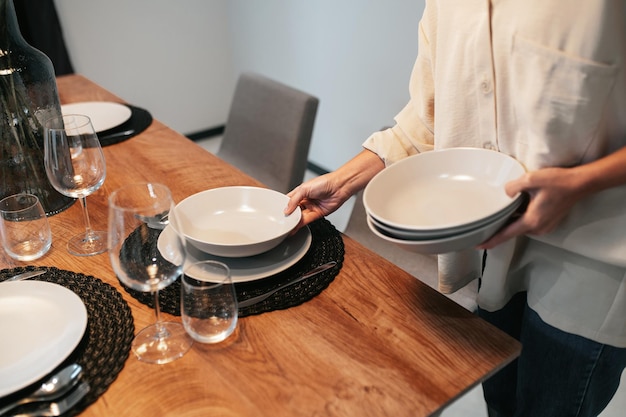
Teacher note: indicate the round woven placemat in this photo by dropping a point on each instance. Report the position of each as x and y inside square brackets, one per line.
[326, 245]
[105, 346]
[140, 120]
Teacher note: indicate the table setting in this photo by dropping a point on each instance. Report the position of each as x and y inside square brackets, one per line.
[158, 251]
[262, 258]
[85, 322]
[318, 244]
[113, 122]
[89, 325]
[58, 319]
[352, 313]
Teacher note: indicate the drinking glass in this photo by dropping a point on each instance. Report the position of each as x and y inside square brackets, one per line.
[208, 301]
[24, 227]
[76, 168]
[146, 263]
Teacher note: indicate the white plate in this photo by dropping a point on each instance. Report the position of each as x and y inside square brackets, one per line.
[442, 189]
[41, 323]
[104, 115]
[251, 268]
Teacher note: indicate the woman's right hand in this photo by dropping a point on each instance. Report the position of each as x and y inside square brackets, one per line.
[317, 198]
[322, 195]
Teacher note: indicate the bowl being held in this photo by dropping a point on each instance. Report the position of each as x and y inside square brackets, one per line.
[442, 191]
[235, 221]
[439, 245]
[449, 232]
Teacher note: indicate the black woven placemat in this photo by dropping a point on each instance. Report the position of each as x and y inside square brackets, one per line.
[105, 346]
[326, 245]
[139, 121]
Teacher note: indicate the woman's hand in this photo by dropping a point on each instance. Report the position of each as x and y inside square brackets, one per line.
[554, 191]
[317, 198]
[323, 195]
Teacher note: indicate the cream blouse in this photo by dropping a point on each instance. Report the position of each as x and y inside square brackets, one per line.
[545, 82]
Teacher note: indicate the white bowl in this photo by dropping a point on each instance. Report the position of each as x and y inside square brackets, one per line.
[455, 243]
[235, 221]
[444, 189]
[405, 234]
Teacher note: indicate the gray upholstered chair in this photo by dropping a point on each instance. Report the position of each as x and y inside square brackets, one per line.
[423, 267]
[268, 131]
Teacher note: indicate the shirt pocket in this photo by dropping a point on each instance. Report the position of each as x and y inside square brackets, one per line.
[559, 102]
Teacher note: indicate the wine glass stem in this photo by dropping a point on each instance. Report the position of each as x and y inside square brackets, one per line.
[157, 314]
[88, 231]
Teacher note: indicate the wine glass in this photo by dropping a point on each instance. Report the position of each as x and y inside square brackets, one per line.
[146, 263]
[76, 168]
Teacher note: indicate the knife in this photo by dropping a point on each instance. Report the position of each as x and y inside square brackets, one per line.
[26, 275]
[259, 298]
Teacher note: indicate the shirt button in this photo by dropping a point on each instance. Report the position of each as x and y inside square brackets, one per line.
[490, 146]
[485, 86]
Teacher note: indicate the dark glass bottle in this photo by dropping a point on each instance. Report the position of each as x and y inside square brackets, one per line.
[28, 97]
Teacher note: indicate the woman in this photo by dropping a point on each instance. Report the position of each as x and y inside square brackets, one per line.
[545, 82]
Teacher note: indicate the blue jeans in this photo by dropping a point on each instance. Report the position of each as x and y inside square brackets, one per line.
[558, 374]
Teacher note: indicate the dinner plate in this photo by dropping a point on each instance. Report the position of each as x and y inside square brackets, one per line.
[41, 323]
[104, 115]
[252, 268]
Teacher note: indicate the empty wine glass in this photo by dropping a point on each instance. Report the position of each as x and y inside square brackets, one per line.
[76, 168]
[146, 263]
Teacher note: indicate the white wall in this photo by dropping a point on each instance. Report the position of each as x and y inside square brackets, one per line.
[355, 55]
[180, 60]
[170, 57]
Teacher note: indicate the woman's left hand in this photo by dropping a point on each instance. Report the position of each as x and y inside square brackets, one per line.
[552, 193]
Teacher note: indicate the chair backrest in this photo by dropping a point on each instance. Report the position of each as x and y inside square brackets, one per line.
[268, 131]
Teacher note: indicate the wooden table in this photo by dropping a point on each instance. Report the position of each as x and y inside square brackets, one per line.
[376, 342]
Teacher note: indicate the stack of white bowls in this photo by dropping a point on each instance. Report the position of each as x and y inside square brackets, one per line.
[443, 201]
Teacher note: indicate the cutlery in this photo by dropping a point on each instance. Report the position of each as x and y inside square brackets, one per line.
[25, 275]
[119, 134]
[259, 298]
[54, 387]
[60, 407]
[155, 222]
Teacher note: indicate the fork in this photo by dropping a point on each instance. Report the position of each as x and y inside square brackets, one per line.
[57, 408]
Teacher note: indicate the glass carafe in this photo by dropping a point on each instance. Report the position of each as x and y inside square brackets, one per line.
[28, 97]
